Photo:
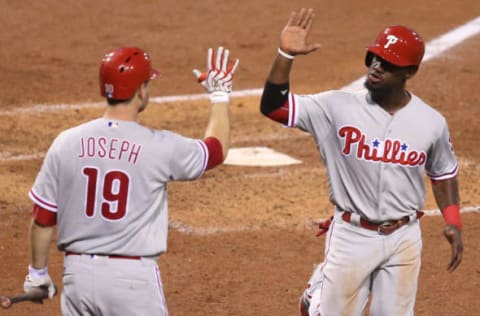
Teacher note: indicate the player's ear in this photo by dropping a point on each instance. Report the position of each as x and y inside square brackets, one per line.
[143, 90]
[411, 71]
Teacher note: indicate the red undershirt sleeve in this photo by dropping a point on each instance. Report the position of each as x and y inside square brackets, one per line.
[215, 152]
[280, 115]
[43, 216]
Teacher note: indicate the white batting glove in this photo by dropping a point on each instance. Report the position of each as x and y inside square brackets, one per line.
[217, 80]
[39, 278]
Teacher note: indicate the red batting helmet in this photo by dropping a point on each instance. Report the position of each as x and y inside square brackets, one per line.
[123, 70]
[398, 45]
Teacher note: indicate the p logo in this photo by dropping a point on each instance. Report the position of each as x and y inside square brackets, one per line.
[391, 39]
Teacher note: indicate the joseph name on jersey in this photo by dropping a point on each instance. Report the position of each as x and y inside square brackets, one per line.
[109, 148]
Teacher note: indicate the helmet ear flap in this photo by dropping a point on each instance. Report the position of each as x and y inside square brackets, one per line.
[368, 59]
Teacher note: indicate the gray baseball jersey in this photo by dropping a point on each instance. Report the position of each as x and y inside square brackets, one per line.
[107, 182]
[375, 160]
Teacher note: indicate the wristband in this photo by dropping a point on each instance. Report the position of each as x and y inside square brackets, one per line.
[451, 215]
[219, 97]
[37, 272]
[287, 56]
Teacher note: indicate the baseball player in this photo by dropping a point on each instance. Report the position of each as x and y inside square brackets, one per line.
[376, 145]
[103, 184]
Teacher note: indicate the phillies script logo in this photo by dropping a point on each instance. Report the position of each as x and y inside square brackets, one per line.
[389, 151]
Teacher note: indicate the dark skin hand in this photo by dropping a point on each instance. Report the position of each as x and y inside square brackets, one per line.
[293, 41]
[454, 237]
[446, 193]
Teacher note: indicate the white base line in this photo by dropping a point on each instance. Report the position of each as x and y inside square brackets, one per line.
[467, 209]
[204, 231]
[433, 49]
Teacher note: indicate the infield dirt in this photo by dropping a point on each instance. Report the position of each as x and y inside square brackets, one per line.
[242, 239]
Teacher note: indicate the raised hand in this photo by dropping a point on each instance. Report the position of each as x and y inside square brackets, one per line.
[293, 38]
[217, 80]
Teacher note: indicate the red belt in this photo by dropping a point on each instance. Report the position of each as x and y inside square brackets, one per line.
[69, 253]
[385, 228]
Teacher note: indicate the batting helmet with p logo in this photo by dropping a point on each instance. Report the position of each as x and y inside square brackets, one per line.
[398, 45]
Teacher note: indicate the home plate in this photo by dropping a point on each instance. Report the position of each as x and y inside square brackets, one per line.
[258, 157]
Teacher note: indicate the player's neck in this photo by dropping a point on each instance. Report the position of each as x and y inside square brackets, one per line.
[122, 112]
[393, 101]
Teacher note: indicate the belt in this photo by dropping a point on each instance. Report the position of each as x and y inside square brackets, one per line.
[385, 228]
[70, 253]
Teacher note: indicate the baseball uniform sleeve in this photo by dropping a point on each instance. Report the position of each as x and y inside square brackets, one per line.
[188, 157]
[441, 161]
[310, 113]
[44, 190]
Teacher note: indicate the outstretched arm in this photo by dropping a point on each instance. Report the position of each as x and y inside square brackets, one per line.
[448, 200]
[293, 41]
[217, 81]
[219, 127]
